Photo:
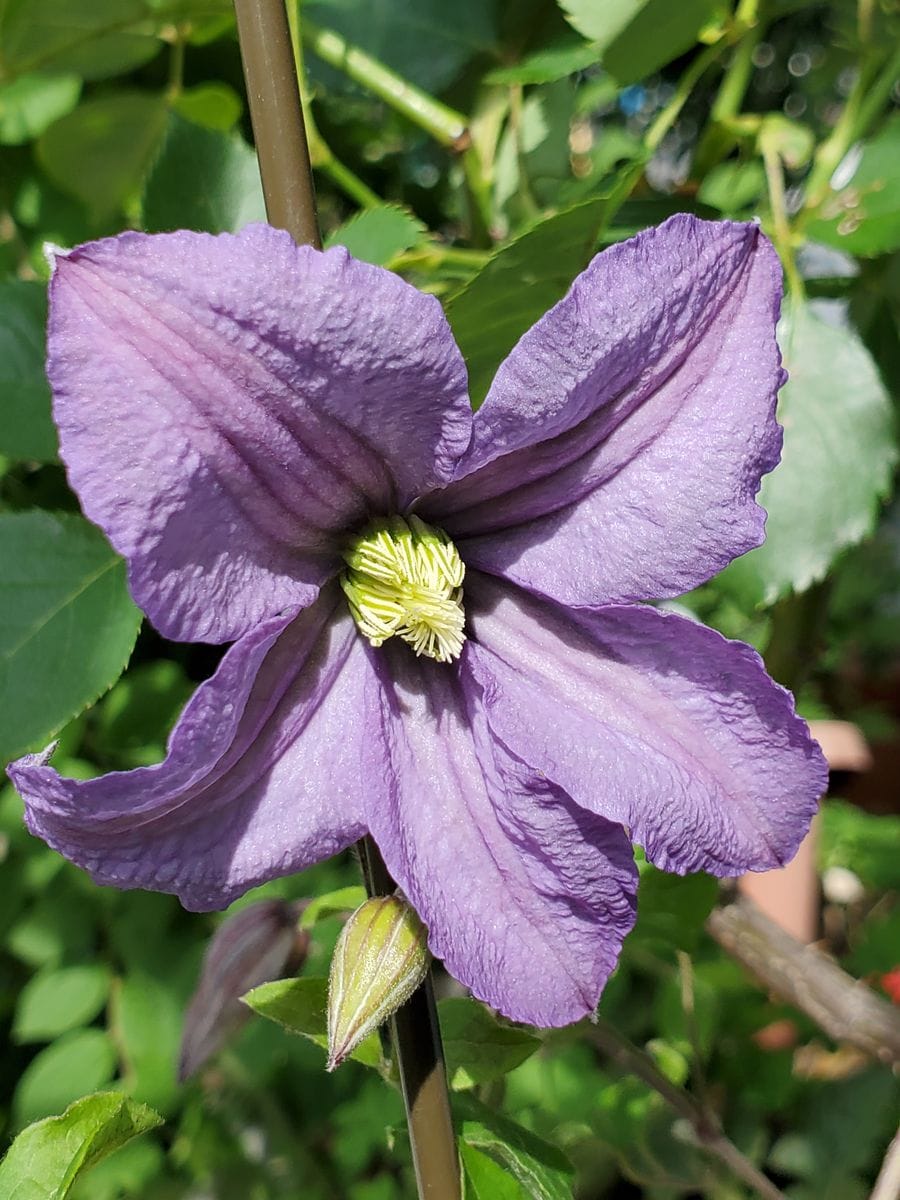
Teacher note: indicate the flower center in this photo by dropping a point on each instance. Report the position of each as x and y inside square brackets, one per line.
[404, 579]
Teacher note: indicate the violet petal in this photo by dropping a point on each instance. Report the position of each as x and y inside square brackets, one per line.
[526, 896]
[651, 721]
[229, 406]
[264, 773]
[622, 443]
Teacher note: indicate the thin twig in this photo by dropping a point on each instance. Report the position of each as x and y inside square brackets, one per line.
[845, 1008]
[702, 1120]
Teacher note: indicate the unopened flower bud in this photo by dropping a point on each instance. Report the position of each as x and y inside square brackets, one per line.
[380, 959]
[251, 947]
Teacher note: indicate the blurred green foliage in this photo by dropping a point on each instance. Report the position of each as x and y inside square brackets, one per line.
[586, 121]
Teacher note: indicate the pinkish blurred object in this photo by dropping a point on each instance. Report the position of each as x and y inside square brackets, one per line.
[790, 895]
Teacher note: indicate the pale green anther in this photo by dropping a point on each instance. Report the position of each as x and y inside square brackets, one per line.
[380, 959]
[404, 579]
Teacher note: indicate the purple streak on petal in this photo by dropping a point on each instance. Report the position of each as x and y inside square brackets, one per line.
[652, 721]
[626, 434]
[263, 774]
[526, 897]
[229, 405]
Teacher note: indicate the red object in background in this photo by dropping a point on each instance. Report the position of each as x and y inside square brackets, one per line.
[891, 984]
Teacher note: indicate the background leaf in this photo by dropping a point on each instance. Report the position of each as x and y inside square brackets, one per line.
[67, 623]
[863, 215]
[26, 428]
[46, 1159]
[300, 1005]
[376, 234]
[202, 179]
[836, 465]
[517, 286]
[100, 152]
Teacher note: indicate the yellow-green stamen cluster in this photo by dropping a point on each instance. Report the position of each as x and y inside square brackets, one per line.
[404, 579]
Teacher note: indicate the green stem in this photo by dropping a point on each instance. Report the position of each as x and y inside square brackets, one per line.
[686, 84]
[702, 1120]
[442, 123]
[321, 155]
[865, 102]
[781, 228]
[176, 68]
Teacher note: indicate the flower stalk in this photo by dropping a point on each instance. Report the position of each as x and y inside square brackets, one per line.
[281, 143]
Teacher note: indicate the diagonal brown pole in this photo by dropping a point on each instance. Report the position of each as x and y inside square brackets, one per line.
[281, 146]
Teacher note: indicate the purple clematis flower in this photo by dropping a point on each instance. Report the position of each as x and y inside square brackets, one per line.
[435, 631]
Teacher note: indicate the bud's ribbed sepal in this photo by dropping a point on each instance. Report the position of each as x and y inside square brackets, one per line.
[380, 959]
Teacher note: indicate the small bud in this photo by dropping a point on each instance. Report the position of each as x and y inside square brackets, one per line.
[253, 946]
[380, 959]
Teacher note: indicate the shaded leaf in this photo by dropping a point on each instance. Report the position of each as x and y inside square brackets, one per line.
[557, 61]
[67, 623]
[344, 900]
[76, 1063]
[542, 1170]
[100, 152]
[31, 103]
[89, 37]
[202, 179]
[300, 1006]
[26, 427]
[46, 1159]
[486, 1179]
[212, 105]
[376, 234]
[478, 1047]
[517, 286]
[836, 465]
[55, 1001]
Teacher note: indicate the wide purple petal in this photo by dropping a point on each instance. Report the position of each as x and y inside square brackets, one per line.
[652, 721]
[228, 405]
[263, 774]
[526, 897]
[621, 445]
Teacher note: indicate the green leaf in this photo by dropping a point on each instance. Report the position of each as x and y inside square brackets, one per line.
[53, 1002]
[517, 286]
[345, 899]
[26, 428]
[203, 179]
[100, 153]
[836, 465]
[88, 37]
[671, 910]
[29, 104]
[542, 1170]
[300, 1005]
[867, 845]
[132, 722]
[81, 1061]
[557, 61]
[46, 1159]
[146, 1022]
[637, 37]
[485, 1179]
[67, 623]
[478, 1047]
[376, 234]
[398, 34]
[732, 186]
[212, 105]
[863, 215]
